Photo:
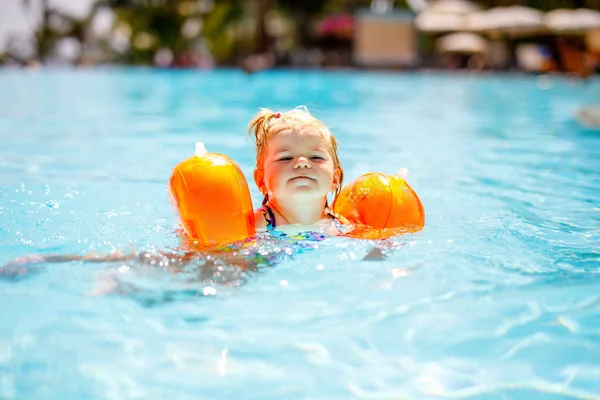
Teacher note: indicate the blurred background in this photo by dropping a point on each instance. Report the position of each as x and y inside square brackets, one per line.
[534, 36]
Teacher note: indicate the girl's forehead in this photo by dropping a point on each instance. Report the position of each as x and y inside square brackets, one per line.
[295, 137]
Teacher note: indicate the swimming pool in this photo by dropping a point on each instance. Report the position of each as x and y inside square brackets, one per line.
[498, 297]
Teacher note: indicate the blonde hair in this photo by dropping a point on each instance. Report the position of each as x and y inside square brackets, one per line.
[267, 124]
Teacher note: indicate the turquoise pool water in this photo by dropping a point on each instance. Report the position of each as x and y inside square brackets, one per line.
[499, 296]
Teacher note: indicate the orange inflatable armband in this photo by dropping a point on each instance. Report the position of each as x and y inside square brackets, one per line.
[211, 198]
[381, 205]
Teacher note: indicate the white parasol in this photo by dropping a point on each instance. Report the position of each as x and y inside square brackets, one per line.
[507, 21]
[445, 15]
[577, 21]
[462, 42]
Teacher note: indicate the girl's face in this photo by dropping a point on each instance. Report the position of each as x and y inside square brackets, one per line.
[297, 166]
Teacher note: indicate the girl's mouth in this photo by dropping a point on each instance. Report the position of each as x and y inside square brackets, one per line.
[302, 177]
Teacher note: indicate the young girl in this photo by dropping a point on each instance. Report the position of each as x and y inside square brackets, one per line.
[297, 166]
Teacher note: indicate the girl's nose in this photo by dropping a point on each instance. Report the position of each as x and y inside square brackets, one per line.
[302, 162]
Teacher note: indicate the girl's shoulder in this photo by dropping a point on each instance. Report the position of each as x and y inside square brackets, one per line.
[260, 222]
[337, 218]
[342, 220]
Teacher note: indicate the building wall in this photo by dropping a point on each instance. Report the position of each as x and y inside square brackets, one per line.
[385, 40]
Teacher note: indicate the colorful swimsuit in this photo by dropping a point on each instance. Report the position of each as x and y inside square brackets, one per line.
[267, 247]
[271, 221]
[278, 240]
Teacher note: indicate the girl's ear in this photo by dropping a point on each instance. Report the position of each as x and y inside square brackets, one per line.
[336, 179]
[259, 179]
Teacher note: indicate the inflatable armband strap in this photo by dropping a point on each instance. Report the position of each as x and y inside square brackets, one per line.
[211, 198]
[381, 205]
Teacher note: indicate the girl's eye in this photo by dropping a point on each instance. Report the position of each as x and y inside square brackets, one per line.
[284, 159]
[317, 158]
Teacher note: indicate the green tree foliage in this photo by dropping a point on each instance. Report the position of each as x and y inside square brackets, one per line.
[221, 30]
[159, 25]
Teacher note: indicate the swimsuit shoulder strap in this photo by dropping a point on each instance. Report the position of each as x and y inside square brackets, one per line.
[269, 216]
